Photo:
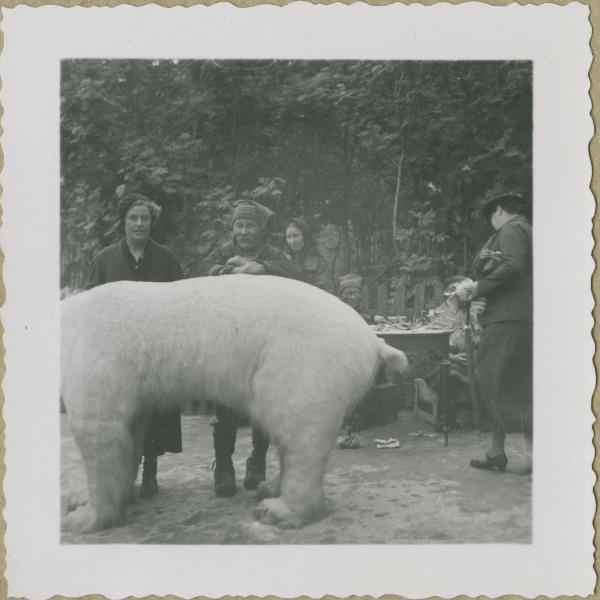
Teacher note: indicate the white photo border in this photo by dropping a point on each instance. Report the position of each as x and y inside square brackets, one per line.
[556, 39]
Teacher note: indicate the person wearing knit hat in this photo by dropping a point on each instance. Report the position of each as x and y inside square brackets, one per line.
[502, 274]
[302, 248]
[249, 209]
[350, 291]
[138, 257]
[249, 252]
[350, 288]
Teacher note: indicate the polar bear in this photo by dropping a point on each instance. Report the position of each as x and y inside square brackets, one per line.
[293, 357]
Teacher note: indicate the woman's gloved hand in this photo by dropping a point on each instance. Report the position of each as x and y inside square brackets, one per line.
[466, 289]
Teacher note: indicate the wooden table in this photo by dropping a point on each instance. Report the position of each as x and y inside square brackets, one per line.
[420, 340]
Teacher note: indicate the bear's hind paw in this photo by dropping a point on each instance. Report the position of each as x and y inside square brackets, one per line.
[274, 511]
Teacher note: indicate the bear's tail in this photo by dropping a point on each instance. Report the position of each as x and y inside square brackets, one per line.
[394, 361]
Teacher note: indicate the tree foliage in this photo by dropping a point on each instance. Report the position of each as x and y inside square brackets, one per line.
[345, 144]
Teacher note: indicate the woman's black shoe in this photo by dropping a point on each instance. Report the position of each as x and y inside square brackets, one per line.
[495, 463]
[149, 486]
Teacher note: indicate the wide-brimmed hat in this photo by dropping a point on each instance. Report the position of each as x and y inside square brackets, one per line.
[509, 200]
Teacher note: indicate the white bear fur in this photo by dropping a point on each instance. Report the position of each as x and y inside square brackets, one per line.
[294, 358]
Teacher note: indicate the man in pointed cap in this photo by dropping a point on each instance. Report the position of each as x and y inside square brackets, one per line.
[249, 252]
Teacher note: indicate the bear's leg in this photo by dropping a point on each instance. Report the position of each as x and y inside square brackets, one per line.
[138, 432]
[272, 487]
[108, 453]
[302, 498]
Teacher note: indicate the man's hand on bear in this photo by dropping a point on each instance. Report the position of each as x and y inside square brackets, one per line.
[237, 261]
[252, 268]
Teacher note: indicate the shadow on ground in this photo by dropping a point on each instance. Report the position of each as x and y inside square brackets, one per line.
[419, 493]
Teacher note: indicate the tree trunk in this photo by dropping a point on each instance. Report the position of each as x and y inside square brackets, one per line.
[396, 198]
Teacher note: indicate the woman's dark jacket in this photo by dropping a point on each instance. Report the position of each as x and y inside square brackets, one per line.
[116, 263]
[505, 280]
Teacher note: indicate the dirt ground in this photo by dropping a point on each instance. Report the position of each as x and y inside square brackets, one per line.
[419, 493]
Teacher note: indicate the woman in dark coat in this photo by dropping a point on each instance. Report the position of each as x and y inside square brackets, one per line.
[503, 276]
[302, 248]
[137, 257]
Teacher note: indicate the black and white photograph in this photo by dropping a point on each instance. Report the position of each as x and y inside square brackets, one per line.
[298, 301]
[388, 347]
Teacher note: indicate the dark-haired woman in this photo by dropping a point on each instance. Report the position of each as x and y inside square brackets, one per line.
[137, 257]
[302, 248]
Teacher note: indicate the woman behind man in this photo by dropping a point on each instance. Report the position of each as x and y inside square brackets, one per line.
[302, 248]
[137, 257]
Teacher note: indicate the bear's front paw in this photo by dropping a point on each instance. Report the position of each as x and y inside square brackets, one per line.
[275, 511]
[81, 520]
[86, 520]
[76, 502]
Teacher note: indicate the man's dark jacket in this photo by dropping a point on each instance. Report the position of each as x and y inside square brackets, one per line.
[275, 261]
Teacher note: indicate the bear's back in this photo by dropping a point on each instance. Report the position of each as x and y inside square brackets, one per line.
[243, 317]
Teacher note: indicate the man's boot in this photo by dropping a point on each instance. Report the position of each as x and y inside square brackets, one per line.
[224, 480]
[149, 484]
[224, 431]
[256, 463]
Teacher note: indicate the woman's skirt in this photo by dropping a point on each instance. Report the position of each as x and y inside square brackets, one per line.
[505, 374]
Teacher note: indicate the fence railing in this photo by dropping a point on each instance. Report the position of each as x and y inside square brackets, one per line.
[402, 298]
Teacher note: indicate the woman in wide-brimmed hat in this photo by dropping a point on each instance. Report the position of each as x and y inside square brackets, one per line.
[502, 274]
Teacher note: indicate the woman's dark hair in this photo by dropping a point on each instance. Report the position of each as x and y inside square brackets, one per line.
[132, 200]
[310, 243]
